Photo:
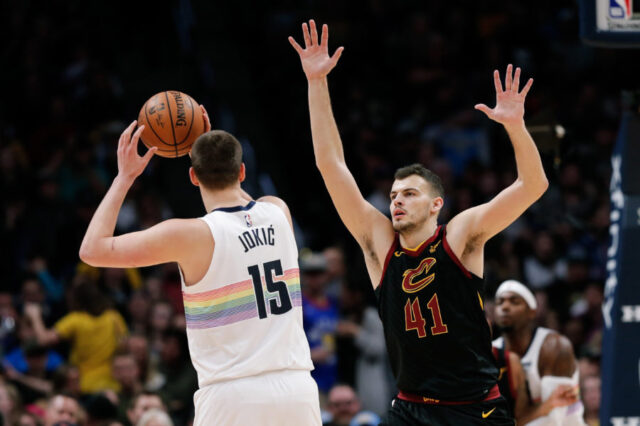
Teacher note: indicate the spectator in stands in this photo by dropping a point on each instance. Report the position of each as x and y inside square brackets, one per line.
[142, 403]
[127, 374]
[320, 318]
[63, 410]
[95, 332]
[155, 417]
[10, 403]
[343, 409]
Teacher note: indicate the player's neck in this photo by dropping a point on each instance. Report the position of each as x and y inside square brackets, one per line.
[229, 197]
[415, 237]
[518, 341]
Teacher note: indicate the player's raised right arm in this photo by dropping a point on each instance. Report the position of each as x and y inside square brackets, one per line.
[369, 227]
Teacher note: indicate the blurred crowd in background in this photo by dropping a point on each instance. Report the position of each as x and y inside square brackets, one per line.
[75, 74]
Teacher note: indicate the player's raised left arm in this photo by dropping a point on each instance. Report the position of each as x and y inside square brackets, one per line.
[486, 220]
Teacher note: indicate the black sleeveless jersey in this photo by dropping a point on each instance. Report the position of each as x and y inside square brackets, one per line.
[438, 339]
[505, 377]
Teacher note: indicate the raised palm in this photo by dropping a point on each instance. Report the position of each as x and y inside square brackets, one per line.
[509, 107]
[315, 58]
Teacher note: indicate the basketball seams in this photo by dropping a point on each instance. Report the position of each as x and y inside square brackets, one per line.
[182, 139]
[150, 123]
[193, 118]
[173, 131]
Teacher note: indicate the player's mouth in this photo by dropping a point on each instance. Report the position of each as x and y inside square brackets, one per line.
[399, 213]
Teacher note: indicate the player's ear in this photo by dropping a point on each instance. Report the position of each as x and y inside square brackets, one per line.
[436, 204]
[243, 173]
[193, 177]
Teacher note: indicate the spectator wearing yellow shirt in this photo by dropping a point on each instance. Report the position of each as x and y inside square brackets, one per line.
[94, 331]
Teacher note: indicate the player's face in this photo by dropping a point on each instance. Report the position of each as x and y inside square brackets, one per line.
[411, 200]
[512, 312]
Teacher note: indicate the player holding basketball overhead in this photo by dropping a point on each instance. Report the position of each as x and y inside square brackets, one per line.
[427, 277]
[240, 284]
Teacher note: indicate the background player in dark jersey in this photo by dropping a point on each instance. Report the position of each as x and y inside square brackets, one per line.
[427, 277]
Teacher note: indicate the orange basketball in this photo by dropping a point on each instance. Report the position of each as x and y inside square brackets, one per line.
[173, 121]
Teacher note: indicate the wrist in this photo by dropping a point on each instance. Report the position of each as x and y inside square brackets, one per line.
[123, 180]
[515, 126]
[320, 80]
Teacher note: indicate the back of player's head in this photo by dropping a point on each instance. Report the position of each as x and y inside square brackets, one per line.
[418, 169]
[216, 158]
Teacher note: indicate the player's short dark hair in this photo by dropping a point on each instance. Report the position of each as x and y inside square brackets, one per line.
[426, 174]
[216, 157]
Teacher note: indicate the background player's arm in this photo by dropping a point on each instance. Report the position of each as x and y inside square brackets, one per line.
[369, 227]
[524, 411]
[482, 222]
[556, 357]
[168, 241]
[557, 360]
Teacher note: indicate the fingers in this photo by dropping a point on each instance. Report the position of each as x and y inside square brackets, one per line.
[305, 34]
[336, 55]
[205, 116]
[136, 136]
[526, 88]
[516, 81]
[295, 45]
[150, 152]
[483, 108]
[125, 136]
[508, 78]
[325, 36]
[496, 81]
[314, 32]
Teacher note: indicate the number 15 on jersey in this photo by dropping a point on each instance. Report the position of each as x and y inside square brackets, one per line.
[276, 290]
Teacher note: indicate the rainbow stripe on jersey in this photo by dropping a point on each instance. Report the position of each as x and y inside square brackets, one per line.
[234, 302]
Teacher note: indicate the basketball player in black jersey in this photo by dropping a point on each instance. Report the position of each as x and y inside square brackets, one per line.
[427, 278]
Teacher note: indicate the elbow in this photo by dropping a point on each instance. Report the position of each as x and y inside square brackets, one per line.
[543, 185]
[537, 188]
[87, 255]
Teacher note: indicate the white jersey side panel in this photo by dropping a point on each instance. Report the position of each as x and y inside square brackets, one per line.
[530, 363]
[244, 317]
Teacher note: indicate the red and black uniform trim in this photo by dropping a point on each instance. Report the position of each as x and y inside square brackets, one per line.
[437, 336]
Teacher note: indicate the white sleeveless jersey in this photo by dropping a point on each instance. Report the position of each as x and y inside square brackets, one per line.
[244, 317]
[530, 361]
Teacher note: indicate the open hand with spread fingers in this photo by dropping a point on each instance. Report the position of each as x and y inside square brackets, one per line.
[316, 62]
[130, 164]
[509, 109]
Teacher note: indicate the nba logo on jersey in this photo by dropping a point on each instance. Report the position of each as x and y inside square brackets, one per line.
[620, 9]
[247, 220]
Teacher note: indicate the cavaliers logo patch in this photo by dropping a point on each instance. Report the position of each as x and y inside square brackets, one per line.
[414, 280]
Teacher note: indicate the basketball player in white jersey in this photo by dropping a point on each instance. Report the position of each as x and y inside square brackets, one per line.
[240, 284]
[547, 358]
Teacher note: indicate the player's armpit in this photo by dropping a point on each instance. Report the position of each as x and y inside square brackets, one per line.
[173, 240]
[371, 229]
[482, 222]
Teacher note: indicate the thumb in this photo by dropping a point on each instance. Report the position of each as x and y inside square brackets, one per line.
[149, 154]
[336, 55]
[484, 108]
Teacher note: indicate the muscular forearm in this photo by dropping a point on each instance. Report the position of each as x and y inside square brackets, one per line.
[103, 223]
[327, 145]
[528, 162]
